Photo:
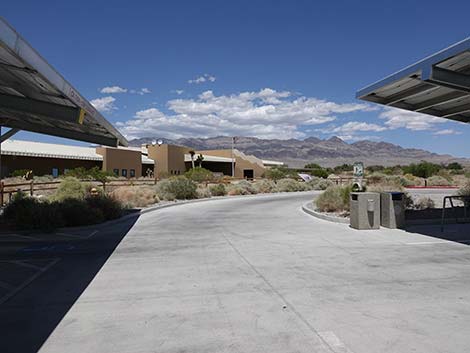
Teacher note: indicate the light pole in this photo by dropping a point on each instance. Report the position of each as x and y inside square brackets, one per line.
[233, 160]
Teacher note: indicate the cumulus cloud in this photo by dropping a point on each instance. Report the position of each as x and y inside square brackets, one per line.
[447, 132]
[202, 79]
[105, 104]
[398, 118]
[179, 92]
[113, 89]
[266, 114]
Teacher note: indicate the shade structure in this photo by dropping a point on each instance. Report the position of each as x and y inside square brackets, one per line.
[35, 97]
[438, 85]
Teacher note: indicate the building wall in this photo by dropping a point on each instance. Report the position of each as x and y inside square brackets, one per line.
[169, 159]
[122, 160]
[240, 163]
[43, 165]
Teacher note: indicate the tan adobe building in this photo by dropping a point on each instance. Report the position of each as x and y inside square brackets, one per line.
[55, 159]
[175, 160]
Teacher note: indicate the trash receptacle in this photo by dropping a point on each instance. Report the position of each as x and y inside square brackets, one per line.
[365, 210]
[392, 209]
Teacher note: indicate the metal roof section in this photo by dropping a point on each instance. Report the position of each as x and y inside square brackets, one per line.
[53, 150]
[35, 97]
[438, 85]
[208, 158]
[49, 150]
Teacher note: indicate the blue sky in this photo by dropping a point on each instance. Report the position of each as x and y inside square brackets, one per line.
[271, 69]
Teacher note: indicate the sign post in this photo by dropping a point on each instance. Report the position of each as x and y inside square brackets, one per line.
[358, 174]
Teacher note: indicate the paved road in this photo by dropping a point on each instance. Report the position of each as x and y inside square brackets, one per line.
[246, 275]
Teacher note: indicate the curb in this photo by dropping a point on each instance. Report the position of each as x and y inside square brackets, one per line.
[309, 210]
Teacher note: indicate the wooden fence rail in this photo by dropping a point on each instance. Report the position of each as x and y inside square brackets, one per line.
[30, 187]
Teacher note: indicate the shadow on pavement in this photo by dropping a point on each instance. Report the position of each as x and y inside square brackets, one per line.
[456, 232]
[28, 318]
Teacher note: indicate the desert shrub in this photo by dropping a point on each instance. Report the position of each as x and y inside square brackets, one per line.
[423, 169]
[264, 186]
[199, 174]
[437, 180]
[454, 166]
[70, 188]
[77, 213]
[30, 213]
[176, 188]
[290, 185]
[110, 207]
[334, 199]
[218, 190]
[318, 184]
[277, 173]
[446, 175]
[411, 180]
[319, 172]
[424, 203]
[203, 192]
[241, 188]
[135, 196]
[465, 189]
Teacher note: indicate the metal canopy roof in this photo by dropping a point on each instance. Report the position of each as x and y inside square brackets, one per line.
[438, 85]
[35, 97]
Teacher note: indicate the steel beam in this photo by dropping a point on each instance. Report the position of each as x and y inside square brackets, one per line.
[8, 134]
[433, 102]
[407, 93]
[450, 78]
[41, 108]
[465, 108]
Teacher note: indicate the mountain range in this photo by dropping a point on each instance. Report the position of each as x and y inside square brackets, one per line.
[328, 152]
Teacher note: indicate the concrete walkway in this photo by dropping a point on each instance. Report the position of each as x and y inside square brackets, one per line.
[259, 275]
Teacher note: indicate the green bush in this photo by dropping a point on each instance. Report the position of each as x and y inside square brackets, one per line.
[199, 174]
[218, 190]
[70, 188]
[290, 185]
[180, 188]
[423, 169]
[264, 186]
[320, 173]
[334, 199]
[277, 173]
[19, 173]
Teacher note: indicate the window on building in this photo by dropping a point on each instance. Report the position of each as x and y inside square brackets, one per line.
[55, 172]
[132, 173]
[116, 172]
[124, 172]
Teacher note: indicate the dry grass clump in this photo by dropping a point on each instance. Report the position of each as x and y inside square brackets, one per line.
[135, 196]
[290, 185]
[385, 186]
[241, 188]
[318, 184]
[264, 186]
[437, 180]
[334, 199]
[203, 192]
[424, 203]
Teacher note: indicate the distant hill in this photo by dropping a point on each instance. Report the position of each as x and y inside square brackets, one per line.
[329, 152]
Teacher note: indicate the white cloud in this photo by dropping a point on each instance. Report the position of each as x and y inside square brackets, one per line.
[397, 118]
[447, 132]
[266, 114]
[202, 79]
[113, 89]
[179, 92]
[356, 126]
[141, 91]
[105, 104]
